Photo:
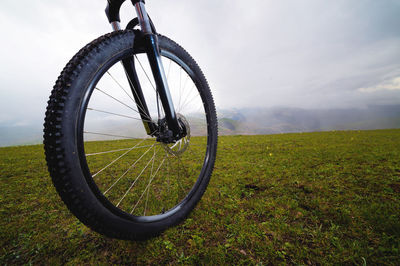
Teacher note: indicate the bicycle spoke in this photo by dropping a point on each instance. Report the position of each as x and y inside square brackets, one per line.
[112, 151]
[180, 86]
[110, 135]
[173, 146]
[111, 113]
[148, 78]
[182, 91]
[117, 159]
[134, 182]
[168, 176]
[190, 96]
[186, 103]
[121, 86]
[183, 166]
[140, 106]
[112, 97]
[186, 80]
[179, 179]
[183, 104]
[199, 109]
[148, 185]
[131, 167]
[147, 194]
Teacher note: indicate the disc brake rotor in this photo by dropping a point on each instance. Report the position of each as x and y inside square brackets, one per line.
[179, 147]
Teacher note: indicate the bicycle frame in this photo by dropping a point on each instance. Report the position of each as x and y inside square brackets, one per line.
[148, 39]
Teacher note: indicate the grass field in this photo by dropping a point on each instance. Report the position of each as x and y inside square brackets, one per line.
[312, 198]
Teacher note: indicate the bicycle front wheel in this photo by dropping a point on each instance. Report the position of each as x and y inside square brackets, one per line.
[111, 174]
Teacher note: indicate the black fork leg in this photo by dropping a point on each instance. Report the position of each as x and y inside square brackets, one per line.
[154, 57]
[130, 71]
[151, 43]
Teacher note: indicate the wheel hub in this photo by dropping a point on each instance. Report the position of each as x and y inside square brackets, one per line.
[178, 146]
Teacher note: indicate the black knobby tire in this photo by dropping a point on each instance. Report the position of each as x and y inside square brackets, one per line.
[182, 175]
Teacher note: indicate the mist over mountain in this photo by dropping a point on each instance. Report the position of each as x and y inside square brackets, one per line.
[20, 134]
[253, 121]
[290, 120]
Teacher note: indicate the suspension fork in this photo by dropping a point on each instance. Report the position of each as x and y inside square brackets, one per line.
[134, 84]
[153, 53]
[150, 42]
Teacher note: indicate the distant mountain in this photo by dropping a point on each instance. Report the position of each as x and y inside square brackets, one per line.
[249, 121]
[287, 120]
[20, 134]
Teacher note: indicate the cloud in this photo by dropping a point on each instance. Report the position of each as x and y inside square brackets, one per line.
[268, 53]
[391, 85]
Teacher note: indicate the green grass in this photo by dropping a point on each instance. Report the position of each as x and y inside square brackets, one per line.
[313, 198]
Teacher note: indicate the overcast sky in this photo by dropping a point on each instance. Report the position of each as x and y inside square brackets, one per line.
[258, 53]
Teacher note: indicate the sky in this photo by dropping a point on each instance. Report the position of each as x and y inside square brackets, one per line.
[261, 53]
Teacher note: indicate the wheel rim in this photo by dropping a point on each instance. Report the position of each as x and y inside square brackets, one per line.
[133, 175]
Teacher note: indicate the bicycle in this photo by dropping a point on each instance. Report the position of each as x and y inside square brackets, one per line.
[131, 153]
